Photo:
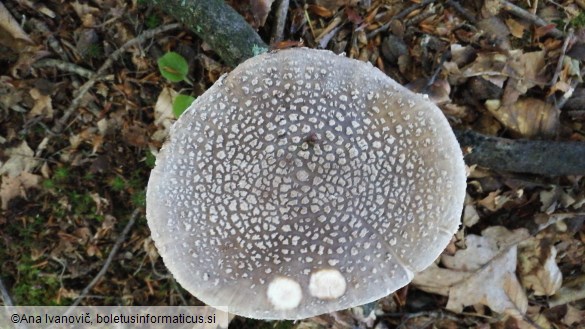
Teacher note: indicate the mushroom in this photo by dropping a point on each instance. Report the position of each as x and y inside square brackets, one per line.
[304, 182]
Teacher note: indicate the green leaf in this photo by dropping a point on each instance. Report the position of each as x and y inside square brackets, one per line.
[173, 67]
[181, 103]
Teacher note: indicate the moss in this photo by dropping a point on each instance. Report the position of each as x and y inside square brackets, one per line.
[578, 21]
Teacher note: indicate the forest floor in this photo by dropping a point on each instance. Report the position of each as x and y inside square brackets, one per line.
[84, 110]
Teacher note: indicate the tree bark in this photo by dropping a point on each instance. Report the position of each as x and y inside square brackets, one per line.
[549, 158]
[219, 25]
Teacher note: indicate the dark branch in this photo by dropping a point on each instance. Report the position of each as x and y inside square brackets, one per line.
[527, 156]
[219, 25]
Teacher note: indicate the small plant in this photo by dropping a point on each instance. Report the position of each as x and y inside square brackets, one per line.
[138, 199]
[150, 159]
[578, 21]
[94, 51]
[61, 174]
[181, 104]
[174, 68]
[117, 184]
[152, 21]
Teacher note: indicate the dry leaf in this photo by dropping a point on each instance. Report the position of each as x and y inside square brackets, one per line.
[574, 317]
[534, 319]
[163, 113]
[14, 186]
[334, 5]
[260, 10]
[549, 199]
[11, 34]
[572, 290]
[538, 269]
[43, 106]
[20, 159]
[528, 117]
[484, 273]
[494, 201]
[516, 28]
[470, 215]
[83, 9]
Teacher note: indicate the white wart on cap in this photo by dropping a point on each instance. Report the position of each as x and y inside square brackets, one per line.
[304, 182]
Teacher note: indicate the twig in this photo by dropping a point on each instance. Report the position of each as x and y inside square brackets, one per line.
[438, 70]
[65, 66]
[108, 261]
[462, 11]
[574, 83]
[523, 14]
[111, 59]
[278, 29]
[5, 295]
[399, 16]
[51, 40]
[559, 68]
[548, 158]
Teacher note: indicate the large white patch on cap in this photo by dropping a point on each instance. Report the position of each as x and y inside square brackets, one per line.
[327, 284]
[284, 293]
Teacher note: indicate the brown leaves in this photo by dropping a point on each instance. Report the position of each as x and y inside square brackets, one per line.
[260, 10]
[12, 187]
[487, 272]
[16, 173]
[526, 117]
[11, 34]
[538, 268]
[481, 274]
[514, 72]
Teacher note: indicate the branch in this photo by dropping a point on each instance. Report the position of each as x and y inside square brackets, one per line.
[523, 14]
[549, 158]
[108, 261]
[219, 25]
[81, 91]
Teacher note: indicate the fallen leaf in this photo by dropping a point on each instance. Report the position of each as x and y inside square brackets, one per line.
[549, 199]
[260, 10]
[575, 318]
[20, 159]
[537, 266]
[334, 5]
[10, 95]
[516, 27]
[493, 201]
[11, 34]
[163, 113]
[14, 186]
[572, 290]
[484, 273]
[527, 117]
[470, 215]
[43, 106]
[83, 9]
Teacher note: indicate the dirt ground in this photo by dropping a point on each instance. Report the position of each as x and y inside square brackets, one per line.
[84, 109]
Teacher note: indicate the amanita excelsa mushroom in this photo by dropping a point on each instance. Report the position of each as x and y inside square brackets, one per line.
[304, 182]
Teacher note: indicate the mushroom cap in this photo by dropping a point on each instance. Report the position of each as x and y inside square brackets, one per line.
[302, 183]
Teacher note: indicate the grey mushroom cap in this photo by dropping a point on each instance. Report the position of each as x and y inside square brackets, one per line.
[302, 183]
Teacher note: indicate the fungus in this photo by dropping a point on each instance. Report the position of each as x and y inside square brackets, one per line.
[304, 182]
